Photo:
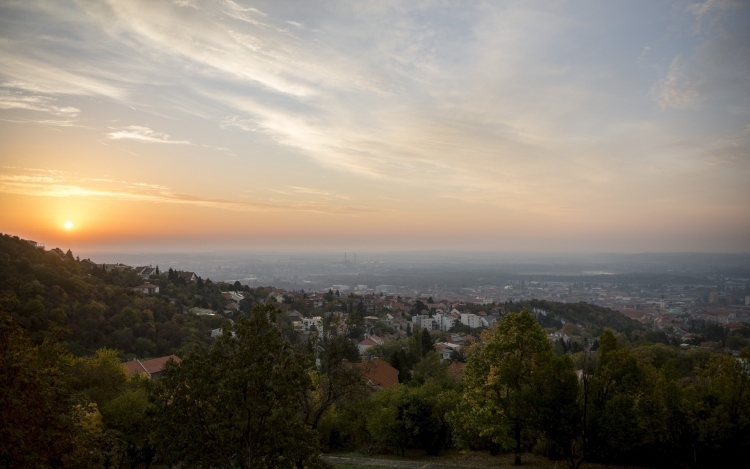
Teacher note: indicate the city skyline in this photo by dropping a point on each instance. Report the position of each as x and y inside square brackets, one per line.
[521, 127]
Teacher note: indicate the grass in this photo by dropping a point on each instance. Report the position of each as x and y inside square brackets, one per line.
[469, 459]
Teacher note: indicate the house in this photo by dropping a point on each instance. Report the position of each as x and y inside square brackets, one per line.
[35, 244]
[295, 315]
[145, 272]
[378, 374]
[233, 296]
[151, 368]
[444, 351]
[148, 288]
[115, 267]
[88, 265]
[490, 320]
[369, 342]
[188, 277]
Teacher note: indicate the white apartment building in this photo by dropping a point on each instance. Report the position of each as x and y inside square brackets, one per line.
[312, 324]
[444, 321]
[471, 320]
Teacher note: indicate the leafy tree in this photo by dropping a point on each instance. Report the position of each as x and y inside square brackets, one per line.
[427, 345]
[101, 377]
[555, 406]
[399, 361]
[237, 402]
[500, 385]
[336, 379]
[42, 423]
[431, 367]
[405, 416]
[126, 416]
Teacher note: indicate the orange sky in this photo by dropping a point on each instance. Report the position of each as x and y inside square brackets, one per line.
[512, 127]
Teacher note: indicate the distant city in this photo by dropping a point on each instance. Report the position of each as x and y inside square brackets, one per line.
[665, 291]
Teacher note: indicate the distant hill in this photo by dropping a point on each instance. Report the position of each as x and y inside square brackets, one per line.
[50, 293]
[588, 315]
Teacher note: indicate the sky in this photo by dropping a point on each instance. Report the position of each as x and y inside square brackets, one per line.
[529, 126]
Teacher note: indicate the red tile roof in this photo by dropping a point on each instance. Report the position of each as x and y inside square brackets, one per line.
[379, 373]
[134, 367]
[150, 367]
[155, 365]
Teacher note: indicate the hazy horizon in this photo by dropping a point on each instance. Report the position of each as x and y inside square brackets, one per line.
[521, 127]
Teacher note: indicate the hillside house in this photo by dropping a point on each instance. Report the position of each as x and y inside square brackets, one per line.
[148, 288]
[152, 368]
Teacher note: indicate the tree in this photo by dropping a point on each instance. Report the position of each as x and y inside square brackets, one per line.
[336, 379]
[42, 422]
[399, 361]
[402, 416]
[555, 406]
[126, 415]
[427, 344]
[500, 385]
[237, 402]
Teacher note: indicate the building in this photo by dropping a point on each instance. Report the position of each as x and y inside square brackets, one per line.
[378, 374]
[471, 320]
[145, 272]
[88, 265]
[35, 244]
[148, 288]
[115, 267]
[188, 277]
[369, 342]
[713, 297]
[312, 324]
[151, 368]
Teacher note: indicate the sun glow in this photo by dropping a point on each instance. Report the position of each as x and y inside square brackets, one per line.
[68, 225]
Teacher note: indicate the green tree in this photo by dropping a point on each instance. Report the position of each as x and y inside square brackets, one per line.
[126, 416]
[42, 422]
[427, 345]
[500, 387]
[237, 402]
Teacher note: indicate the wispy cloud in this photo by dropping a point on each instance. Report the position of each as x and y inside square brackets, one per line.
[15, 100]
[60, 184]
[144, 134]
[678, 89]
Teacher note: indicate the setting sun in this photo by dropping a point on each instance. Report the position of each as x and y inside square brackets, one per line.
[68, 225]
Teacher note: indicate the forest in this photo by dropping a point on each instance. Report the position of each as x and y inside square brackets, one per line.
[253, 398]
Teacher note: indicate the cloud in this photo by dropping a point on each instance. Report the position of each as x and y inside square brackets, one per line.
[679, 88]
[59, 184]
[10, 100]
[143, 134]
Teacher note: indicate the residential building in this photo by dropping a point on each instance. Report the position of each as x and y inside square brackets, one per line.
[312, 324]
[152, 368]
[378, 374]
[369, 342]
[148, 288]
[471, 320]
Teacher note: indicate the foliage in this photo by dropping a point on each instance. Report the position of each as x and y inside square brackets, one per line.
[598, 317]
[235, 403]
[42, 424]
[405, 416]
[500, 385]
[53, 296]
